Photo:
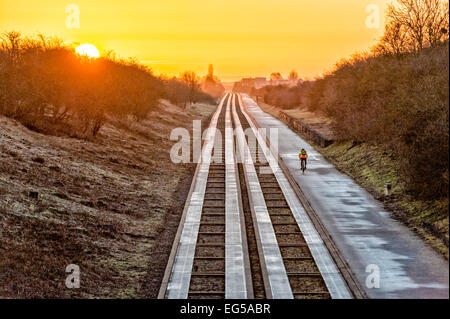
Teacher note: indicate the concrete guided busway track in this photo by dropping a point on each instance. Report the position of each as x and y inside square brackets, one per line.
[244, 231]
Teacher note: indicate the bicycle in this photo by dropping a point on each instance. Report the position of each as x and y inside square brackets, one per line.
[303, 166]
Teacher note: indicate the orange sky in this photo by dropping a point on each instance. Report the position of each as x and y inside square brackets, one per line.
[240, 37]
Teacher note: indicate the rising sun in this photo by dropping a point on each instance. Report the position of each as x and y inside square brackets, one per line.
[88, 50]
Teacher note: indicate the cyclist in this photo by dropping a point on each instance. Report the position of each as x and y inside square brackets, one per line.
[303, 156]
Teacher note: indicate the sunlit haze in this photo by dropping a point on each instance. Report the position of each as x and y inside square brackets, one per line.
[241, 38]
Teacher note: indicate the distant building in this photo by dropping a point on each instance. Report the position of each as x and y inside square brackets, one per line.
[248, 84]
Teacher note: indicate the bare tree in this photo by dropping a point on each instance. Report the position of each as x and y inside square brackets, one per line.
[425, 21]
[193, 83]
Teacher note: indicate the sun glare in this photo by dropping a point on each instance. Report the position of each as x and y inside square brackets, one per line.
[88, 50]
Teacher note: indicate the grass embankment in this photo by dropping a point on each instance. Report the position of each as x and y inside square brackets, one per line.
[110, 205]
[371, 167]
[85, 172]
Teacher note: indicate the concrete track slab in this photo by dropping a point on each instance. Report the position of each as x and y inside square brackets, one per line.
[178, 285]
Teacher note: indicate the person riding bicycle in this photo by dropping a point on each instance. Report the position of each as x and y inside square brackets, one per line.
[303, 156]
